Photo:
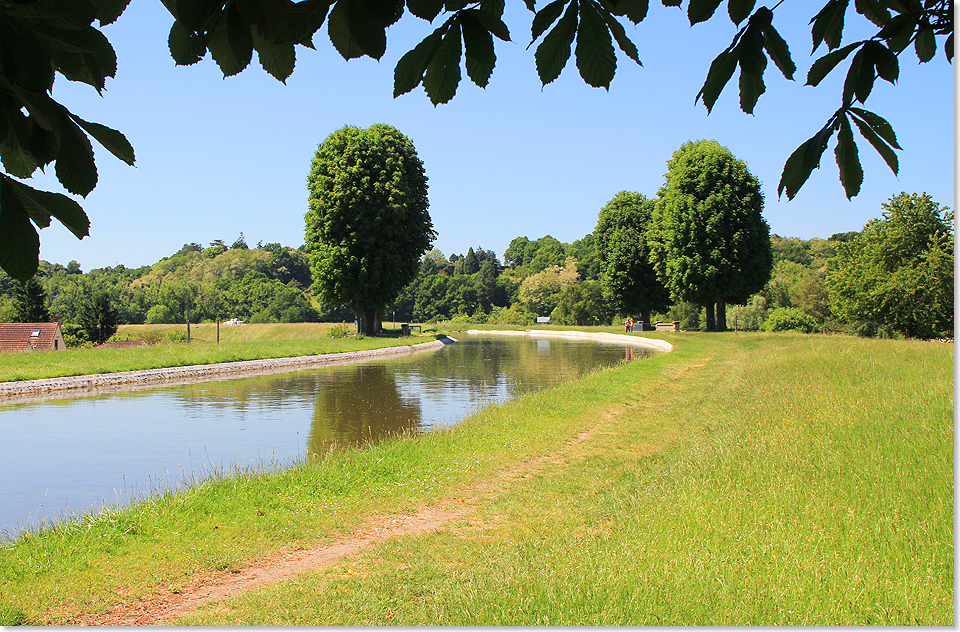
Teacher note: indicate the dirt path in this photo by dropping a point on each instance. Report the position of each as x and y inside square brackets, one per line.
[168, 606]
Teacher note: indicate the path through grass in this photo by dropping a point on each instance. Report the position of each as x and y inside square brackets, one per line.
[740, 480]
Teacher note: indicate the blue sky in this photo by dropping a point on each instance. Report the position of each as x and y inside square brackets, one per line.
[217, 157]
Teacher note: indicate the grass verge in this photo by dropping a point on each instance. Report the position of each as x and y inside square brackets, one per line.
[249, 342]
[761, 479]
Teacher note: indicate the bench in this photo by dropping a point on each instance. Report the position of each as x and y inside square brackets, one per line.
[674, 326]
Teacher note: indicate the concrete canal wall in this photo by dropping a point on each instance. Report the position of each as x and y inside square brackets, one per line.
[28, 390]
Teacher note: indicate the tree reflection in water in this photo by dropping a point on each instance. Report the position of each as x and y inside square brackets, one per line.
[358, 406]
[63, 455]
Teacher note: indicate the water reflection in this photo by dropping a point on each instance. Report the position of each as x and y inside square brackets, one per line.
[358, 406]
[70, 455]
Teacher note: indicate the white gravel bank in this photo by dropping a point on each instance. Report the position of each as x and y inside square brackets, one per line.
[620, 339]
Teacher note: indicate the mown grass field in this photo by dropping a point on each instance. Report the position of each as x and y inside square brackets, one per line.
[743, 479]
[246, 342]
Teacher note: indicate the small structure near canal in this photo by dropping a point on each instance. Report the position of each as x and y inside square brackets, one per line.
[19, 337]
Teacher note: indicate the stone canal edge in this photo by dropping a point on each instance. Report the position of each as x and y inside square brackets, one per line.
[102, 383]
[27, 391]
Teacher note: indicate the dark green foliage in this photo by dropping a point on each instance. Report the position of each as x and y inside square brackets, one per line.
[162, 293]
[30, 302]
[899, 271]
[287, 265]
[513, 256]
[471, 265]
[545, 252]
[844, 237]
[537, 255]
[368, 223]
[240, 243]
[98, 317]
[629, 280]
[74, 335]
[438, 292]
[585, 252]
[487, 275]
[689, 315]
[440, 297]
[187, 248]
[581, 304]
[217, 247]
[709, 242]
[42, 38]
[790, 249]
[790, 319]
[288, 305]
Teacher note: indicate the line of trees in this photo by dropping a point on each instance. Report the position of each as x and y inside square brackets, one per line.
[893, 278]
[268, 283]
[45, 38]
[699, 253]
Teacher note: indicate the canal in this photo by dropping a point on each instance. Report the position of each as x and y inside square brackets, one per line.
[66, 456]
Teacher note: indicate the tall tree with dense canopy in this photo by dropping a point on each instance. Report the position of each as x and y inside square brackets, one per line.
[899, 271]
[98, 316]
[42, 38]
[629, 280]
[31, 303]
[709, 242]
[513, 256]
[368, 223]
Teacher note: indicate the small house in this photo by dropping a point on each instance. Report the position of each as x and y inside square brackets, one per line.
[31, 337]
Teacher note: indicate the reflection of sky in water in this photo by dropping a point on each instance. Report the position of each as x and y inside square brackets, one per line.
[453, 401]
[72, 455]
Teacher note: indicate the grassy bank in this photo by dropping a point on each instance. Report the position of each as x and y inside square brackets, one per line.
[247, 342]
[744, 479]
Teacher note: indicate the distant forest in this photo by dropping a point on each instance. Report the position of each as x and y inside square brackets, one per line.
[536, 277]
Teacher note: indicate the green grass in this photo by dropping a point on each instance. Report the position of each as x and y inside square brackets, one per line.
[751, 479]
[247, 342]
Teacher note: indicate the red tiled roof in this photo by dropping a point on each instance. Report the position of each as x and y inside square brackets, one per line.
[30, 336]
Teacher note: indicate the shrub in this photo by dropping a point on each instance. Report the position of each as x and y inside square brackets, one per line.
[790, 319]
[177, 335]
[160, 314]
[74, 335]
[340, 330]
[750, 316]
[478, 318]
[151, 336]
[513, 315]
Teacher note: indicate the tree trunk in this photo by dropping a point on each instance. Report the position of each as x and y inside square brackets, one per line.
[711, 324]
[368, 321]
[361, 317]
[645, 318]
[721, 315]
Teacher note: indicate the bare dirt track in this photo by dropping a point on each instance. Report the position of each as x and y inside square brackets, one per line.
[167, 606]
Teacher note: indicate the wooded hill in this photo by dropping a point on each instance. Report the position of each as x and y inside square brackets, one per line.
[271, 283]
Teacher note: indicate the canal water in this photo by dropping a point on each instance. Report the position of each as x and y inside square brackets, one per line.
[62, 457]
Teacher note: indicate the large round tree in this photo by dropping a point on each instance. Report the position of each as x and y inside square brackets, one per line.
[629, 281]
[368, 223]
[709, 242]
[898, 272]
